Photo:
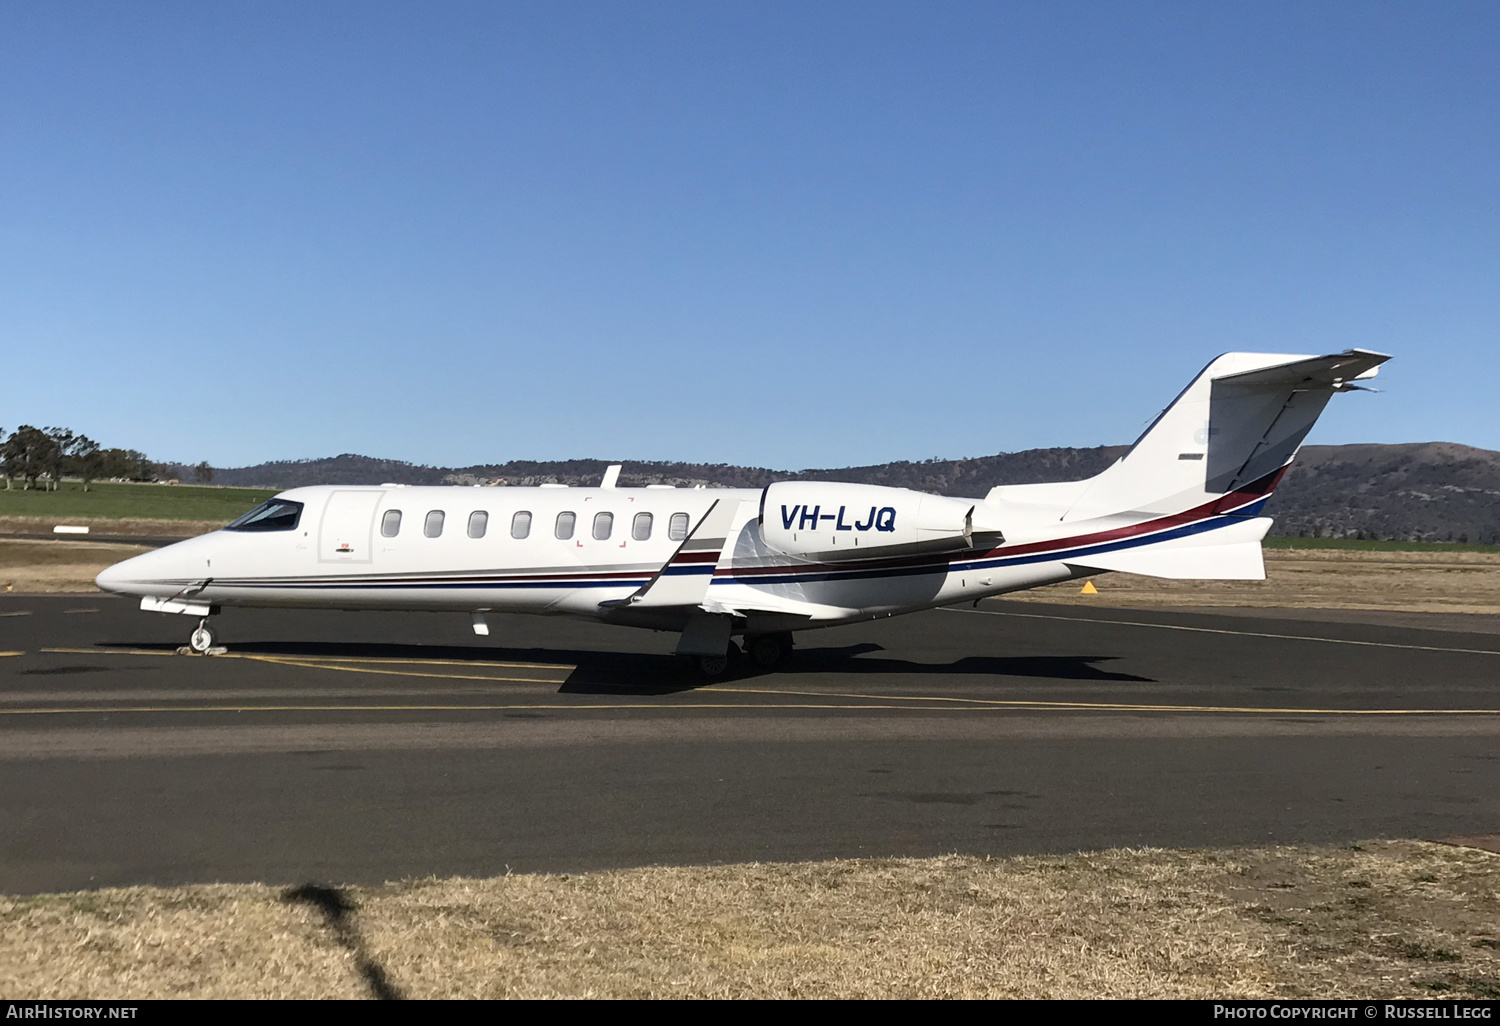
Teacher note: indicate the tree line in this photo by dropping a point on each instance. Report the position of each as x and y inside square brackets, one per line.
[42, 457]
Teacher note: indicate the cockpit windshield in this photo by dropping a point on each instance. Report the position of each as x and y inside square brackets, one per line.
[272, 515]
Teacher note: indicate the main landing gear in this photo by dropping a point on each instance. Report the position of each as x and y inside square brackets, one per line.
[764, 652]
[769, 651]
[715, 665]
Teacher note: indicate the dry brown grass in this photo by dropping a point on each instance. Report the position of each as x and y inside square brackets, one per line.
[37, 566]
[1421, 582]
[69, 566]
[1385, 919]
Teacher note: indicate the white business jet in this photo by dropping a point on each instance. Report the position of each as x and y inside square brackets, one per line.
[1184, 502]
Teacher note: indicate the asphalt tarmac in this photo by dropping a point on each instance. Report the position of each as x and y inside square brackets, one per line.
[363, 747]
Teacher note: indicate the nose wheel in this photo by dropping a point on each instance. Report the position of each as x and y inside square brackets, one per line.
[203, 639]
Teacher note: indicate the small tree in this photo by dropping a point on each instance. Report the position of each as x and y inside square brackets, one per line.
[144, 469]
[86, 459]
[203, 473]
[27, 454]
[57, 455]
[116, 464]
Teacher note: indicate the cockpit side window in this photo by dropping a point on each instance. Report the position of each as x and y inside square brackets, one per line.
[271, 515]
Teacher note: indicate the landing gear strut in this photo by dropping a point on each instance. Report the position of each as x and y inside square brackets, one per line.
[202, 639]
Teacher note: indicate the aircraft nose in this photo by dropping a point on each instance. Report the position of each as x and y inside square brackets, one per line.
[135, 570]
[110, 577]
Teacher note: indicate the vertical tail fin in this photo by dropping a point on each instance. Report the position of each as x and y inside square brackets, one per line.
[1232, 430]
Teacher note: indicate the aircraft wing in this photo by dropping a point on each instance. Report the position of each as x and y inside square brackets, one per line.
[684, 579]
[679, 590]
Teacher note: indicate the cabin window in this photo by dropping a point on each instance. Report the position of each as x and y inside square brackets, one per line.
[564, 526]
[520, 524]
[677, 527]
[433, 528]
[604, 525]
[640, 529]
[479, 522]
[273, 515]
[390, 524]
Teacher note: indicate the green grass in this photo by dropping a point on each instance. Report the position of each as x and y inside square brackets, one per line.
[122, 501]
[1374, 546]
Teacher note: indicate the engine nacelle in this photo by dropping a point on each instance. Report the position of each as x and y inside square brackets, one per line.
[833, 522]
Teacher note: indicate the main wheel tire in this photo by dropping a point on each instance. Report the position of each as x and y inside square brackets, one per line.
[713, 666]
[769, 650]
[202, 639]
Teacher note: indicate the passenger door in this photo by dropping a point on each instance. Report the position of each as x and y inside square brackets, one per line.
[346, 532]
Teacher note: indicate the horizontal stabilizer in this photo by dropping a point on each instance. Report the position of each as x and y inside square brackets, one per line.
[1350, 365]
[1208, 563]
[1227, 554]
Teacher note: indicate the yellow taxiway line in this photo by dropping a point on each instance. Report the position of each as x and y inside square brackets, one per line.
[1018, 706]
[1041, 704]
[279, 661]
[857, 702]
[341, 663]
[865, 702]
[1225, 630]
[319, 659]
[556, 706]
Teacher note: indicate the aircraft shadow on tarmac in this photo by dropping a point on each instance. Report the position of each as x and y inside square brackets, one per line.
[593, 672]
[614, 674]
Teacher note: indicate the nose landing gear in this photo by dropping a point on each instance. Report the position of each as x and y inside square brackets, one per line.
[203, 640]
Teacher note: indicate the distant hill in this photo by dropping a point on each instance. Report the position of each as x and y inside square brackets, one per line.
[1422, 491]
[1429, 491]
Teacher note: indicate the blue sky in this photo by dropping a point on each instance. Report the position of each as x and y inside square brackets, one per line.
[799, 234]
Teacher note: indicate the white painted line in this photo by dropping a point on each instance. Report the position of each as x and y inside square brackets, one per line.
[65, 529]
[1221, 630]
